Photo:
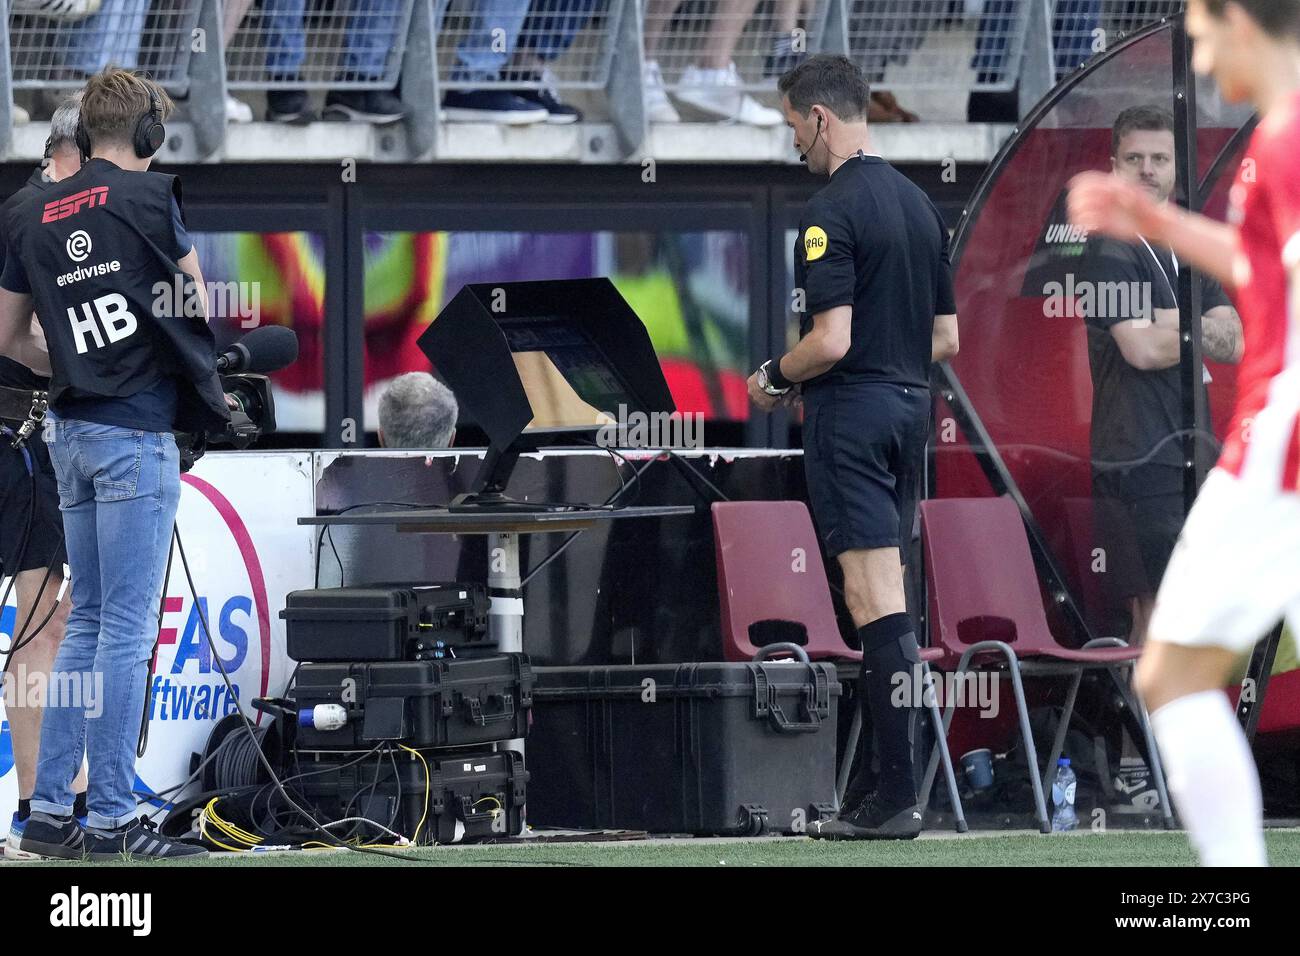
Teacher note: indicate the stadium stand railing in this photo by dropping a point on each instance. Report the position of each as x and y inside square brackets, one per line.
[56, 45]
[594, 48]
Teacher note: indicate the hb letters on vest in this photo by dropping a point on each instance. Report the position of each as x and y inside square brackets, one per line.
[110, 313]
[93, 247]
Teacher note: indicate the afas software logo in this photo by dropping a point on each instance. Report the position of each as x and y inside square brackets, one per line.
[187, 683]
[187, 694]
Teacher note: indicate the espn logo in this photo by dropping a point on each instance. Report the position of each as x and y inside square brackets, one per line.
[71, 205]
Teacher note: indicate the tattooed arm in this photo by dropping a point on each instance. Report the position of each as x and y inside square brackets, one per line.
[1221, 334]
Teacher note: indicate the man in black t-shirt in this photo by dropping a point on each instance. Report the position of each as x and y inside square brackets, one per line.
[34, 553]
[128, 368]
[1134, 351]
[872, 267]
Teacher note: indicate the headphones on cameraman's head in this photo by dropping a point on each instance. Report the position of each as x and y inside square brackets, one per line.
[147, 137]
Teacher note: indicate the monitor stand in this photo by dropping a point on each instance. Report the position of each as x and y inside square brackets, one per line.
[489, 493]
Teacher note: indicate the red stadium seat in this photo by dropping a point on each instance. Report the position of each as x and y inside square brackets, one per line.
[760, 581]
[987, 614]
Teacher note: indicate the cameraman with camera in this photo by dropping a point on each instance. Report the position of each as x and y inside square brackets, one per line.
[85, 256]
[31, 539]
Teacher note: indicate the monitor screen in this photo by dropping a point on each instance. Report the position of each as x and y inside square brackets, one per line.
[568, 378]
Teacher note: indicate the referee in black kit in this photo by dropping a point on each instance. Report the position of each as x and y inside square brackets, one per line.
[872, 261]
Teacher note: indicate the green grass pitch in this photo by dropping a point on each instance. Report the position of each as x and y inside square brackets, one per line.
[1019, 849]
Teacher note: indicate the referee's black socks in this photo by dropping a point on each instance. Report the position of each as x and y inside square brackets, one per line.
[889, 656]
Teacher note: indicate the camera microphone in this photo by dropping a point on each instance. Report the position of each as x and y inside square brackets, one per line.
[268, 349]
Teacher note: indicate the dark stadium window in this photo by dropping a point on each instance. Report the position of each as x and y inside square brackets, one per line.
[690, 289]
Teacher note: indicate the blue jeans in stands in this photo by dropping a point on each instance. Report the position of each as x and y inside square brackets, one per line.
[1073, 24]
[369, 38]
[552, 25]
[110, 36]
[489, 40]
[118, 491]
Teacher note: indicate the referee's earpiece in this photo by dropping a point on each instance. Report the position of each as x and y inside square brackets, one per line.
[149, 130]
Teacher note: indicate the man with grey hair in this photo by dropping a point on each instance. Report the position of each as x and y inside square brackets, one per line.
[34, 493]
[417, 411]
[62, 157]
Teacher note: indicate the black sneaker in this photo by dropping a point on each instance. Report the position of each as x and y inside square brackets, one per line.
[491, 106]
[557, 113]
[873, 820]
[58, 837]
[1135, 789]
[288, 106]
[364, 106]
[138, 840]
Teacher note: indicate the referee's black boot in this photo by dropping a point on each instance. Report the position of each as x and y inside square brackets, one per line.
[876, 819]
[50, 836]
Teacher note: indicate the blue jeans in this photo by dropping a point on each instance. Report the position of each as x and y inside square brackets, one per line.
[552, 25]
[110, 36]
[118, 491]
[476, 60]
[371, 35]
[1072, 27]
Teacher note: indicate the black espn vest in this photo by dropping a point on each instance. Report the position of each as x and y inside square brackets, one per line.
[92, 247]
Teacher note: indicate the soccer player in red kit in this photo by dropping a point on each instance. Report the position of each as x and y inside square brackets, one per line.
[1236, 568]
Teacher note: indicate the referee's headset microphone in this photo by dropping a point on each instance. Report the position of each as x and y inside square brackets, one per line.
[146, 139]
[803, 157]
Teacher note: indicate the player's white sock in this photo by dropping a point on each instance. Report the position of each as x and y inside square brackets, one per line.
[1212, 778]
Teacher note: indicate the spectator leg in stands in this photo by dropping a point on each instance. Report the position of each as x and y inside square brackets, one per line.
[550, 29]
[786, 54]
[110, 36]
[371, 38]
[232, 15]
[285, 50]
[888, 24]
[989, 64]
[1073, 31]
[481, 57]
[711, 89]
[658, 107]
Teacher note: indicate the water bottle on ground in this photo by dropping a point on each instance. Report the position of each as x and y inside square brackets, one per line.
[1063, 816]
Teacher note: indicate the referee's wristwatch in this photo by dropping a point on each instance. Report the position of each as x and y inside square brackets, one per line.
[765, 379]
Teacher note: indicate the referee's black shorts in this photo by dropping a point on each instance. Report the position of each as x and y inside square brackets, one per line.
[44, 544]
[864, 450]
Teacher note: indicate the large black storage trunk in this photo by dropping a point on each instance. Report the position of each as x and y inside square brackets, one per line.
[684, 748]
[483, 791]
[400, 622]
[448, 703]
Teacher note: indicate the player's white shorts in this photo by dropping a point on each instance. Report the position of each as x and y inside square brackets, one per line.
[1235, 571]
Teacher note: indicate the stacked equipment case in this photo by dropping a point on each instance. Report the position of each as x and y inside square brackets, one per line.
[408, 673]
